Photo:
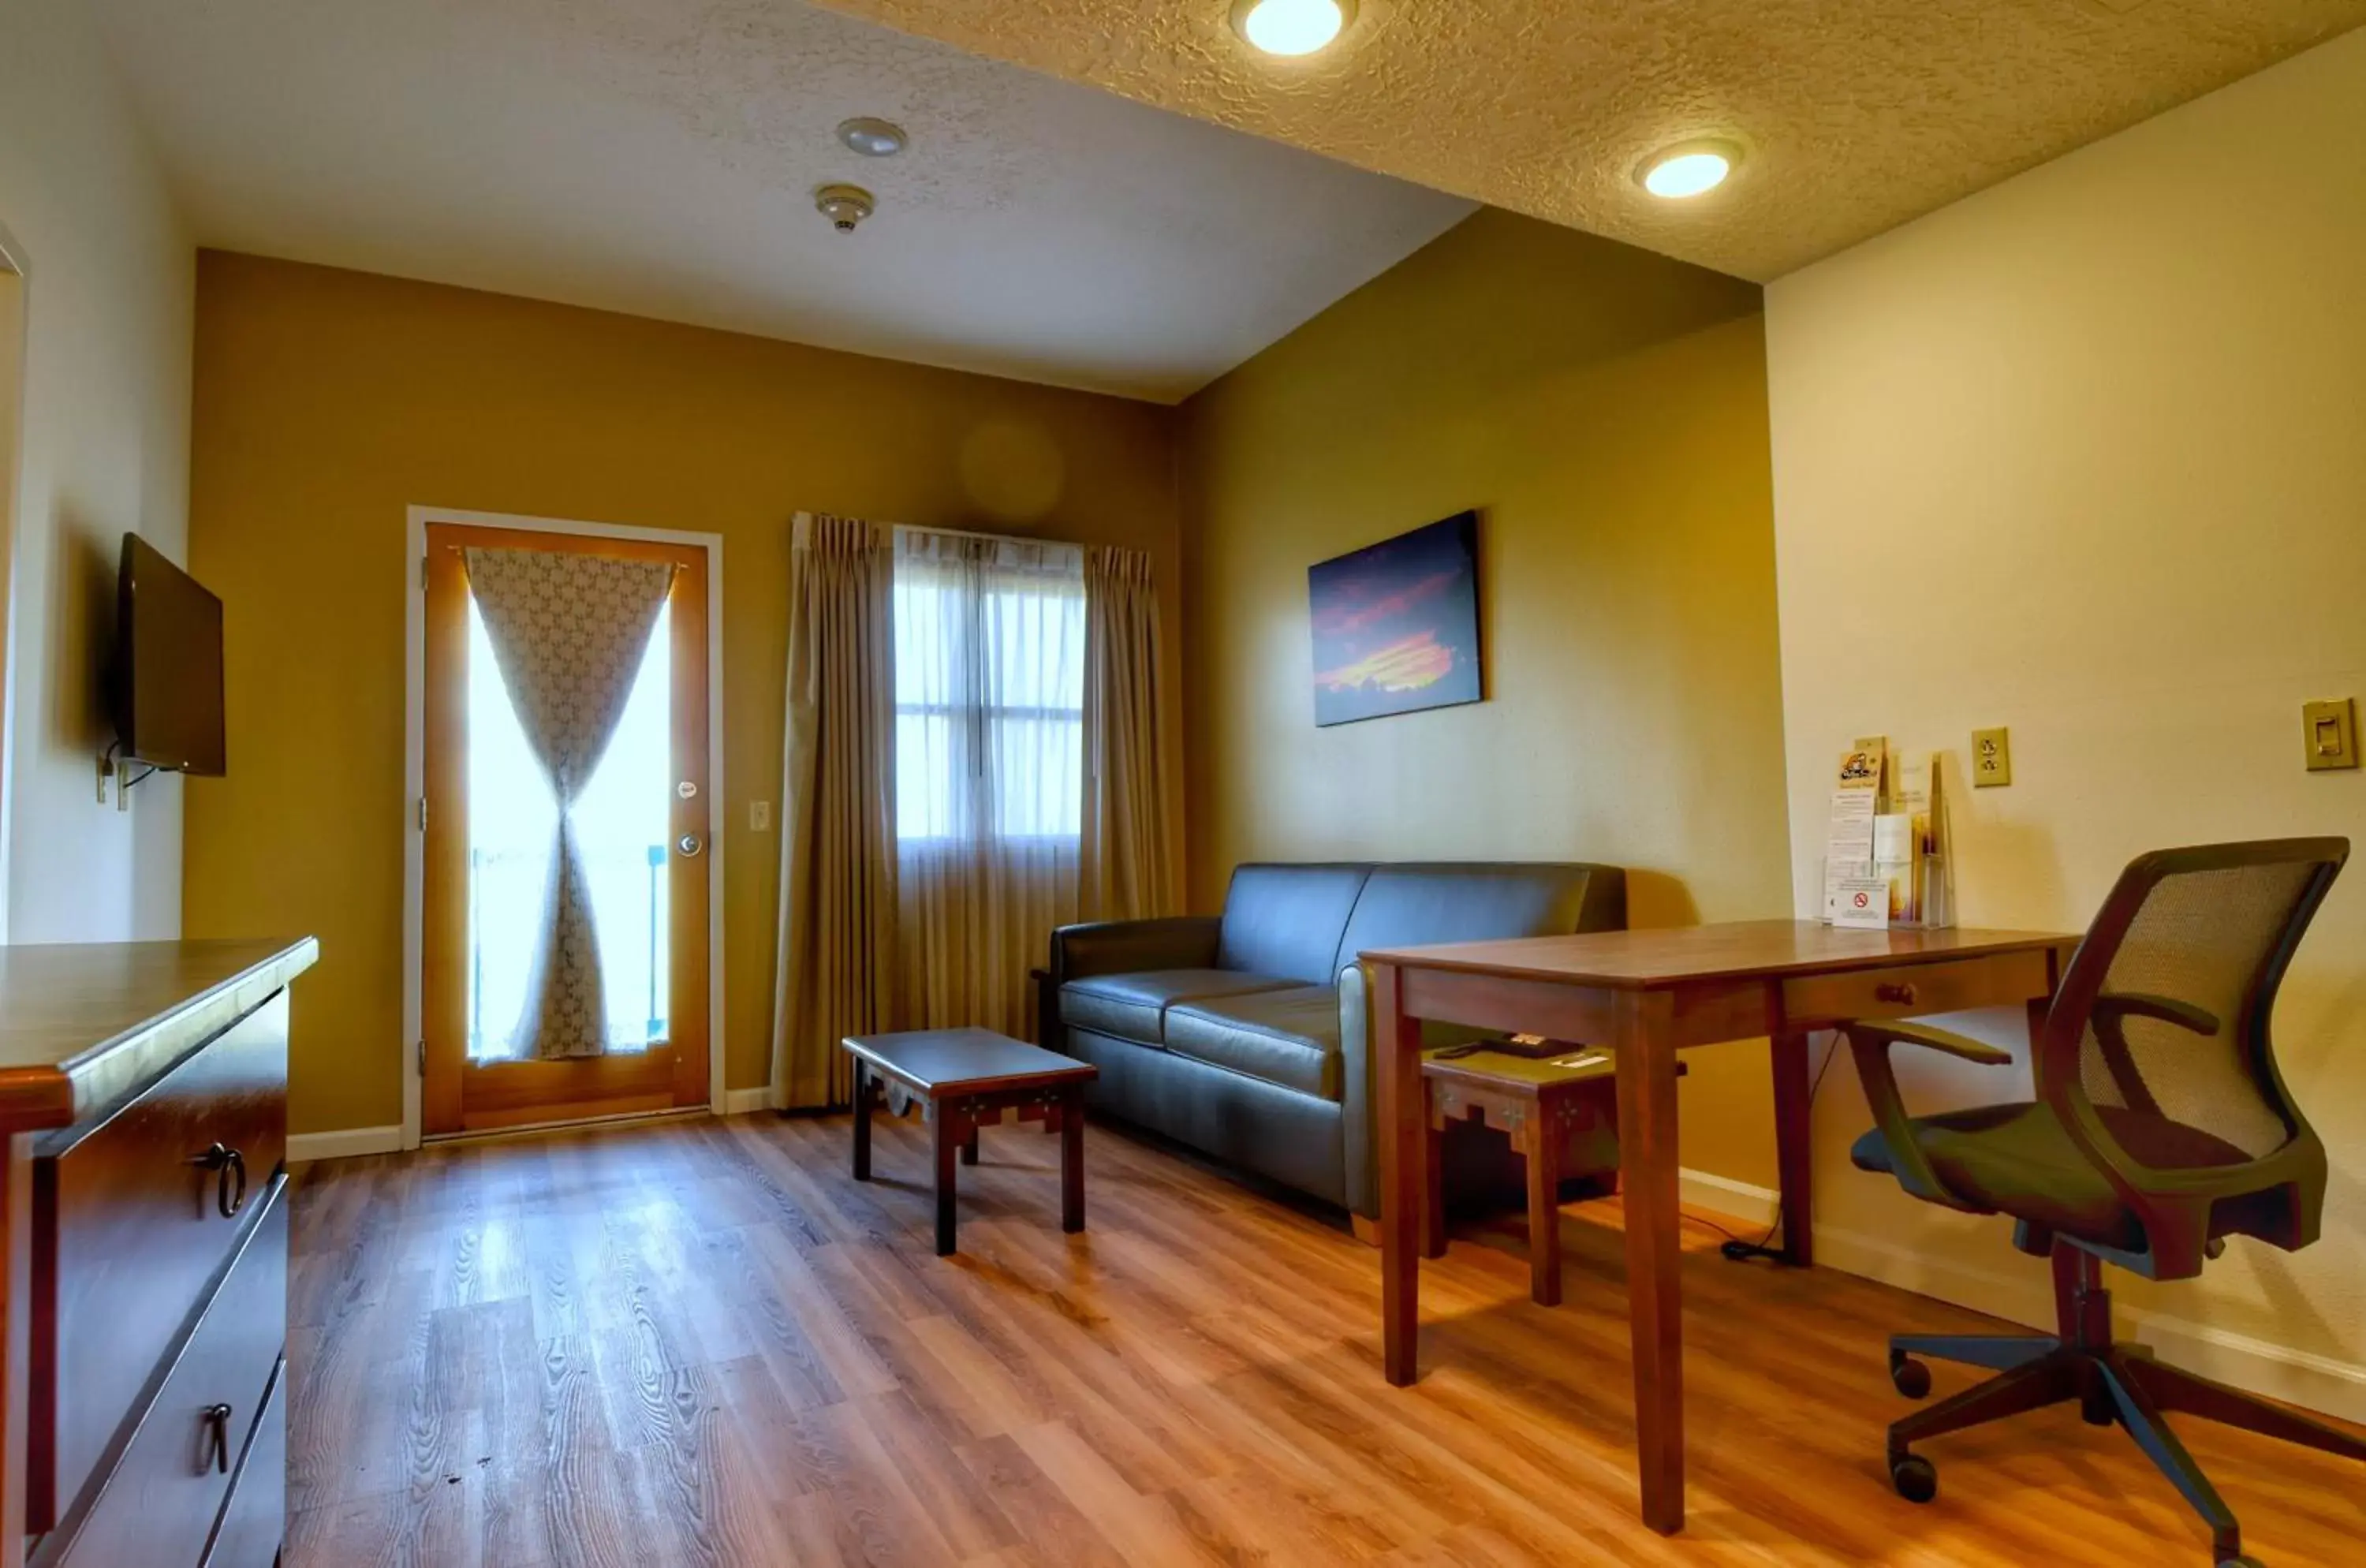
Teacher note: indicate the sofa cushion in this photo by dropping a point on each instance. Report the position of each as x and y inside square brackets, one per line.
[1286, 919]
[1415, 906]
[1288, 1038]
[1133, 1006]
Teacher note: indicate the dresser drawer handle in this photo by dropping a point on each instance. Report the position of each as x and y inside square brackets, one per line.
[217, 1454]
[1898, 991]
[230, 1181]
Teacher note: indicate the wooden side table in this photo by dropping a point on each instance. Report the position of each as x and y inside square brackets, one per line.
[1546, 1107]
[968, 1078]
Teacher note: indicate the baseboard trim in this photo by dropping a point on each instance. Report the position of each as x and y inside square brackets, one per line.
[2322, 1383]
[1723, 1195]
[345, 1143]
[743, 1102]
[2316, 1382]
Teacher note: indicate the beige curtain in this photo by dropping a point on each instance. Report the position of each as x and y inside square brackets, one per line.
[836, 961]
[989, 700]
[568, 630]
[1124, 868]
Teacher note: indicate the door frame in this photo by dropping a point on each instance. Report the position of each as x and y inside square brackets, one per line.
[414, 775]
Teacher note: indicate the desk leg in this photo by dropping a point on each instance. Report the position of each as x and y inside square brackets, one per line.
[1647, 1167]
[1794, 1139]
[1396, 1049]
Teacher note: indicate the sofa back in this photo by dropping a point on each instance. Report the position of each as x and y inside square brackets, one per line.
[1416, 905]
[1305, 922]
[1285, 920]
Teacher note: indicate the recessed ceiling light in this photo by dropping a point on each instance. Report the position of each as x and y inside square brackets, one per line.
[1692, 168]
[871, 137]
[1291, 27]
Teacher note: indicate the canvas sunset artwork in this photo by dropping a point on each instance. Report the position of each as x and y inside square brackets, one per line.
[1396, 624]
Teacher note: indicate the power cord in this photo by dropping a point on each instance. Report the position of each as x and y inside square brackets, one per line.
[1738, 1250]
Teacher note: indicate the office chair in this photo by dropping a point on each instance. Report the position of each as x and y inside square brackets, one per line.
[2161, 1126]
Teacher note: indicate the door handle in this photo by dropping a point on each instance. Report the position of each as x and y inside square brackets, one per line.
[690, 843]
[230, 1179]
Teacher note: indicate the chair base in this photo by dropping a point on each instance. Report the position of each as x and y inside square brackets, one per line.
[2112, 1383]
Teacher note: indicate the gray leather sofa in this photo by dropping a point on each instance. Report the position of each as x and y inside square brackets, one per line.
[1246, 1035]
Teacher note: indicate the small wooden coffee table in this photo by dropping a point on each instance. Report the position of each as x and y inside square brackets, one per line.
[964, 1079]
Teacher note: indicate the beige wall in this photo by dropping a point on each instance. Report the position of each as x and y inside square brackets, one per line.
[329, 401]
[106, 450]
[1605, 410]
[2088, 454]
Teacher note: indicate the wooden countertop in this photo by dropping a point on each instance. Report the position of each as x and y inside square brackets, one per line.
[82, 1026]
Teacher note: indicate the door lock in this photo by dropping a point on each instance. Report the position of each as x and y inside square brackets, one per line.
[690, 843]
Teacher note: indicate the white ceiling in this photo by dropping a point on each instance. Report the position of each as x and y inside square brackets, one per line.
[659, 157]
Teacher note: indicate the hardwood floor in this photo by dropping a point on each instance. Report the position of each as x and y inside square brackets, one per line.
[700, 1342]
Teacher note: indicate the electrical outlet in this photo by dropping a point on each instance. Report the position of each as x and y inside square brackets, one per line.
[760, 816]
[1991, 757]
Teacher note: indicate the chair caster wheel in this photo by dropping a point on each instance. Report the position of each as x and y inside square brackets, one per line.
[1910, 1377]
[1914, 1477]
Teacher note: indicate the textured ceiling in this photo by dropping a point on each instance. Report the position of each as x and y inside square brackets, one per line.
[659, 157]
[1857, 114]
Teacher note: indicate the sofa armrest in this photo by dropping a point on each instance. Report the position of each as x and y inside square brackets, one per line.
[1122, 947]
[1359, 1089]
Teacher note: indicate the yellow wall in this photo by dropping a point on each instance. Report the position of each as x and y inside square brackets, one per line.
[329, 401]
[106, 451]
[2090, 450]
[1605, 410]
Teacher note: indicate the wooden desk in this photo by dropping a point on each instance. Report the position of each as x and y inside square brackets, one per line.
[1648, 995]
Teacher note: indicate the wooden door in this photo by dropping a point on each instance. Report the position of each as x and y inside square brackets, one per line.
[465, 1090]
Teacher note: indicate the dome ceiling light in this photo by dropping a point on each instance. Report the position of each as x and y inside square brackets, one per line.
[1688, 169]
[1292, 27]
[871, 137]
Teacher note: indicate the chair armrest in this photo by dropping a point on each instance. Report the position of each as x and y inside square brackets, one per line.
[1905, 1031]
[2117, 1005]
[1118, 947]
[1869, 1044]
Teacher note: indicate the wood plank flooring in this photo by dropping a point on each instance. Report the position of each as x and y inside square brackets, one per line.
[701, 1343]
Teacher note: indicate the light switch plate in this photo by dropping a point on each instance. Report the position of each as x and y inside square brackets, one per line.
[760, 816]
[1991, 757]
[2331, 731]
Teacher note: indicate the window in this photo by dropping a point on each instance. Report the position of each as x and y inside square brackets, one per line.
[989, 689]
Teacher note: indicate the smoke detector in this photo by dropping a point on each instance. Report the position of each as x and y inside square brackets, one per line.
[844, 205]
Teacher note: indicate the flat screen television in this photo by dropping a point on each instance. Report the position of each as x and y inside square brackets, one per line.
[168, 665]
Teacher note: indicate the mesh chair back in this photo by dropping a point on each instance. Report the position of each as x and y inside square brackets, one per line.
[2209, 930]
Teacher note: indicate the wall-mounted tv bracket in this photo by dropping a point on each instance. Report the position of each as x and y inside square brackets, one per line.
[107, 769]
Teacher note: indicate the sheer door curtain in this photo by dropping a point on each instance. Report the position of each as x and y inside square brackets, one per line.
[989, 671]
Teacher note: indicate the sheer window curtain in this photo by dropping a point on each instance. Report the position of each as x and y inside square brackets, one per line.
[974, 757]
[989, 661]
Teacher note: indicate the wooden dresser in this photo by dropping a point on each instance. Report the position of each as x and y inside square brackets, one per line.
[143, 1206]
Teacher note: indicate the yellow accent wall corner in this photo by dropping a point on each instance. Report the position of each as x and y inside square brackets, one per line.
[1605, 409]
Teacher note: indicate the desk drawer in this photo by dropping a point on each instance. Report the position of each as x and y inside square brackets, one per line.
[159, 1503]
[1911, 990]
[127, 1233]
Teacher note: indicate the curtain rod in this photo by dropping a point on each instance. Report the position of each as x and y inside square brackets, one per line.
[998, 538]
